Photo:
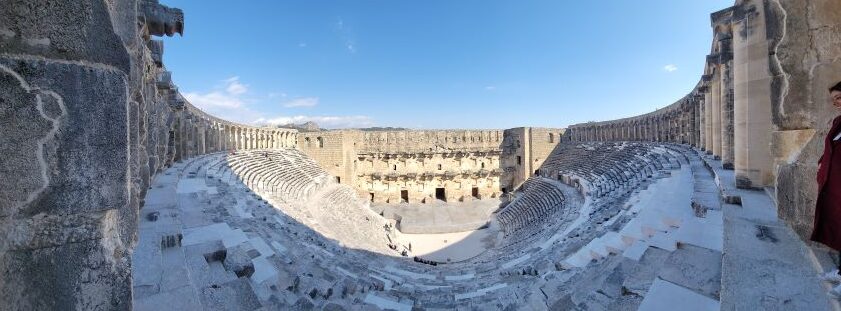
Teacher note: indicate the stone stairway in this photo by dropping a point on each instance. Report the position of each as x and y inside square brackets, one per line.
[765, 264]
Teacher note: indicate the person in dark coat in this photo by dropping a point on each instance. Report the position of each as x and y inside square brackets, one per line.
[828, 208]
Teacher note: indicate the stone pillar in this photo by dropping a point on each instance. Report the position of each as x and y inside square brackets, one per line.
[249, 139]
[188, 135]
[752, 111]
[202, 129]
[656, 129]
[708, 119]
[252, 139]
[697, 133]
[702, 124]
[240, 137]
[726, 107]
[246, 139]
[223, 133]
[715, 96]
[243, 138]
[223, 138]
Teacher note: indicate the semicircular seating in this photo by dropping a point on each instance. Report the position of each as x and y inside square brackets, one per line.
[316, 242]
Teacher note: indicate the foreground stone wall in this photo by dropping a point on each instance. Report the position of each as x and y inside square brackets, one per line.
[89, 116]
[761, 106]
[806, 38]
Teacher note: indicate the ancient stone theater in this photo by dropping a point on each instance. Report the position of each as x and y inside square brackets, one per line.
[117, 193]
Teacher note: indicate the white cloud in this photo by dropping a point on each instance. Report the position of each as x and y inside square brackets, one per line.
[234, 87]
[227, 96]
[346, 35]
[322, 121]
[302, 45]
[670, 68]
[302, 102]
[490, 88]
[226, 100]
[214, 99]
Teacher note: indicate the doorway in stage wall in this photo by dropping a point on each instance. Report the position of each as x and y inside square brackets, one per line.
[475, 192]
[404, 196]
[441, 194]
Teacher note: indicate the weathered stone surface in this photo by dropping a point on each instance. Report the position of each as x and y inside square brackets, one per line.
[769, 102]
[84, 128]
[90, 116]
[66, 30]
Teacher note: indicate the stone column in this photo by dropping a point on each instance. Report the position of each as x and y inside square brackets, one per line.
[202, 130]
[715, 96]
[708, 118]
[249, 139]
[181, 133]
[727, 154]
[246, 138]
[702, 121]
[252, 139]
[652, 129]
[240, 138]
[697, 134]
[752, 111]
[188, 135]
[656, 129]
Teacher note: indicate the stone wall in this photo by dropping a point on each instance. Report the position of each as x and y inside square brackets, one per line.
[332, 150]
[805, 40]
[523, 151]
[467, 164]
[395, 166]
[89, 116]
[415, 177]
[762, 105]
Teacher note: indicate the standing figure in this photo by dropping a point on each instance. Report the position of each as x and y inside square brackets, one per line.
[828, 210]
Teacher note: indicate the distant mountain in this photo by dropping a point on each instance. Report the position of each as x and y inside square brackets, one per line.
[376, 128]
[303, 127]
[313, 127]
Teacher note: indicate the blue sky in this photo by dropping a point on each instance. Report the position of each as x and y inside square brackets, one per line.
[438, 64]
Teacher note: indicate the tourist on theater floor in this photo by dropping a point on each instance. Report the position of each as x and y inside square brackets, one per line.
[828, 210]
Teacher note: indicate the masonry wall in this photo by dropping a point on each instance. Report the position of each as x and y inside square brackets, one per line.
[762, 105]
[523, 151]
[805, 63]
[399, 166]
[88, 116]
[468, 164]
[464, 176]
[332, 150]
